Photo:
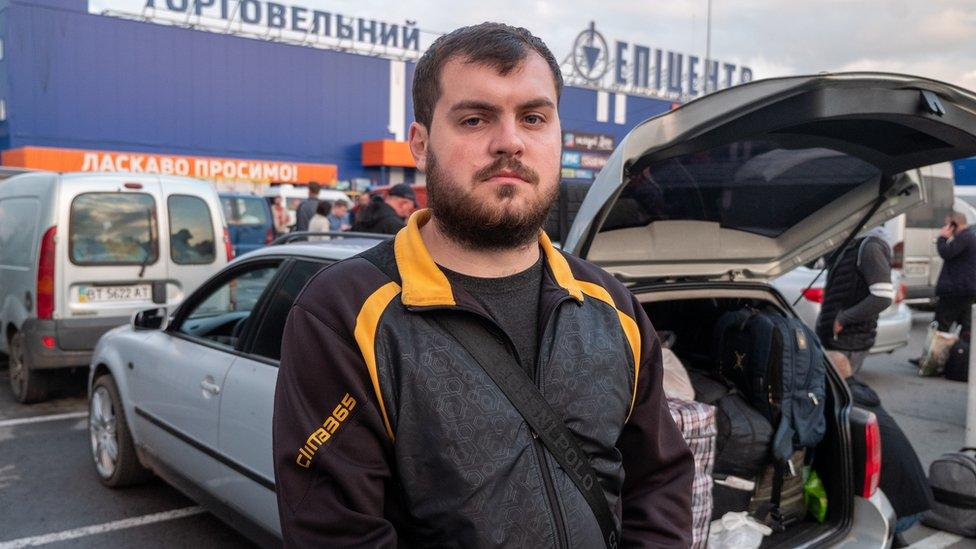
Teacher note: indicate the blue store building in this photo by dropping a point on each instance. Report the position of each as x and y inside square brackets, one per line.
[230, 84]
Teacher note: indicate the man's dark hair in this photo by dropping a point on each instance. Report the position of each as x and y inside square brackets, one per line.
[499, 46]
[324, 207]
[314, 187]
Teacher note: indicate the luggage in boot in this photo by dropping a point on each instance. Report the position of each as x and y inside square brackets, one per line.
[697, 424]
[733, 493]
[953, 481]
[957, 365]
[778, 365]
[744, 435]
[792, 507]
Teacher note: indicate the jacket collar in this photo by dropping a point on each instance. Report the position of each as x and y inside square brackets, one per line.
[424, 284]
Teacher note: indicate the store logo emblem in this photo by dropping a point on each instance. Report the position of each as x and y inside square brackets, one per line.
[591, 56]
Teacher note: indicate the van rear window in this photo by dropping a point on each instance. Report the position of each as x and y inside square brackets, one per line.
[191, 233]
[113, 229]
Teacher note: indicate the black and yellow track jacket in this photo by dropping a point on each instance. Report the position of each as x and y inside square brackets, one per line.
[388, 433]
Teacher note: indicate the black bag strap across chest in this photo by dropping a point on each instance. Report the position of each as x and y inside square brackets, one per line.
[501, 366]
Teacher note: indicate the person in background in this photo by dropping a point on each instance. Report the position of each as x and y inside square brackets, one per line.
[387, 215]
[903, 479]
[858, 289]
[956, 289]
[280, 215]
[362, 200]
[320, 221]
[306, 210]
[339, 216]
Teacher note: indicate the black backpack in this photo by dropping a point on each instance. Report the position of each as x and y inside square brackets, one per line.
[778, 365]
[957, 366]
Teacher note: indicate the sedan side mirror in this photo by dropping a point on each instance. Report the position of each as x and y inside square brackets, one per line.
[150, 319]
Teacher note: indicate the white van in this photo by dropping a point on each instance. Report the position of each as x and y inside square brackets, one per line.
[81, 252]
[293, 195]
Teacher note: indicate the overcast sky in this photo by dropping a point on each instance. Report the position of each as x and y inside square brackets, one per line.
[932, 38]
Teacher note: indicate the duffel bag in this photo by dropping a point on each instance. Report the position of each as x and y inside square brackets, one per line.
[953, 481]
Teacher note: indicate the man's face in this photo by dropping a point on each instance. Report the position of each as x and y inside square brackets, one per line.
[339, 209]
[402, 206]
[492, 152]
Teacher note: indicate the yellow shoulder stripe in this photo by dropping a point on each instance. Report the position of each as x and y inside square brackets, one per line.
[366, 323]
[628, 324]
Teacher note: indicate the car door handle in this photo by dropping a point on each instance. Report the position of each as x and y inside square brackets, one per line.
[210, 387]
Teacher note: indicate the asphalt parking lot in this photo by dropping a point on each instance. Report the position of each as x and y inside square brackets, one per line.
[49, 494]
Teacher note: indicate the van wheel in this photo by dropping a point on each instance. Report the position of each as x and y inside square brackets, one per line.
[113, 451]
[28, 385]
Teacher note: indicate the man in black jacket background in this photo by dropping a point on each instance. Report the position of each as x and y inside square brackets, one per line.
[858, 289]
[956, 289]
[387, 215]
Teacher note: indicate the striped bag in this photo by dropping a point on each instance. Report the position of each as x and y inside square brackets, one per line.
[696, 421]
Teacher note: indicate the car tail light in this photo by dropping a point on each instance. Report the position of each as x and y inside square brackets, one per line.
[898, 256]
[269, 236]
[872, 456]
[45, 276]
[900, 296]
[815, 295]
[227, 247]
[48, 342]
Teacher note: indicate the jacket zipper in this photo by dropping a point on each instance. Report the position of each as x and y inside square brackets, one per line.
[561, 536]
[537, 446]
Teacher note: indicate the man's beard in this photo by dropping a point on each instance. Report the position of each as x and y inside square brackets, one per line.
[469, 220]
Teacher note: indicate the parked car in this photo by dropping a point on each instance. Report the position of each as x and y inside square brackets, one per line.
[160, 386]
[697, 210]
[81, 252]
[894, 323]
[293, 195]
[248, 221]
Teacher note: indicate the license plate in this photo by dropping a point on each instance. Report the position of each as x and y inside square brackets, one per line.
[107, 294]
[916, 269]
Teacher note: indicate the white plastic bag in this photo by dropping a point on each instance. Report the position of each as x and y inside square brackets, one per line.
[736, 531]
[937, 345]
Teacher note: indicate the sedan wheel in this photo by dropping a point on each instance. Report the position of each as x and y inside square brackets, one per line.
[28, 385]
[113, 451]
[104, 440]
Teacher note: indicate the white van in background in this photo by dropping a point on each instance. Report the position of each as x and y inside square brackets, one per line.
[81, 252]
[916, 232]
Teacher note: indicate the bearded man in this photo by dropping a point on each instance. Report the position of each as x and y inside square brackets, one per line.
[391, 427]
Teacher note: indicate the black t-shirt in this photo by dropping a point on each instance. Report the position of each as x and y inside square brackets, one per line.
[513, 303]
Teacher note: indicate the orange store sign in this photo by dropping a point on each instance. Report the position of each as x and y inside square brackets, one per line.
[218, 169]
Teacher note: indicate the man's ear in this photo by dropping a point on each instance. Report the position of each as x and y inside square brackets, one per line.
[418, 145]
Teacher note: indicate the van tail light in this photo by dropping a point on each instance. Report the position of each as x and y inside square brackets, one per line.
[815, 295]
[227, 247]
[900, 295]
[45, 276]
[872, 455]
[269, 236]
[898, 256]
